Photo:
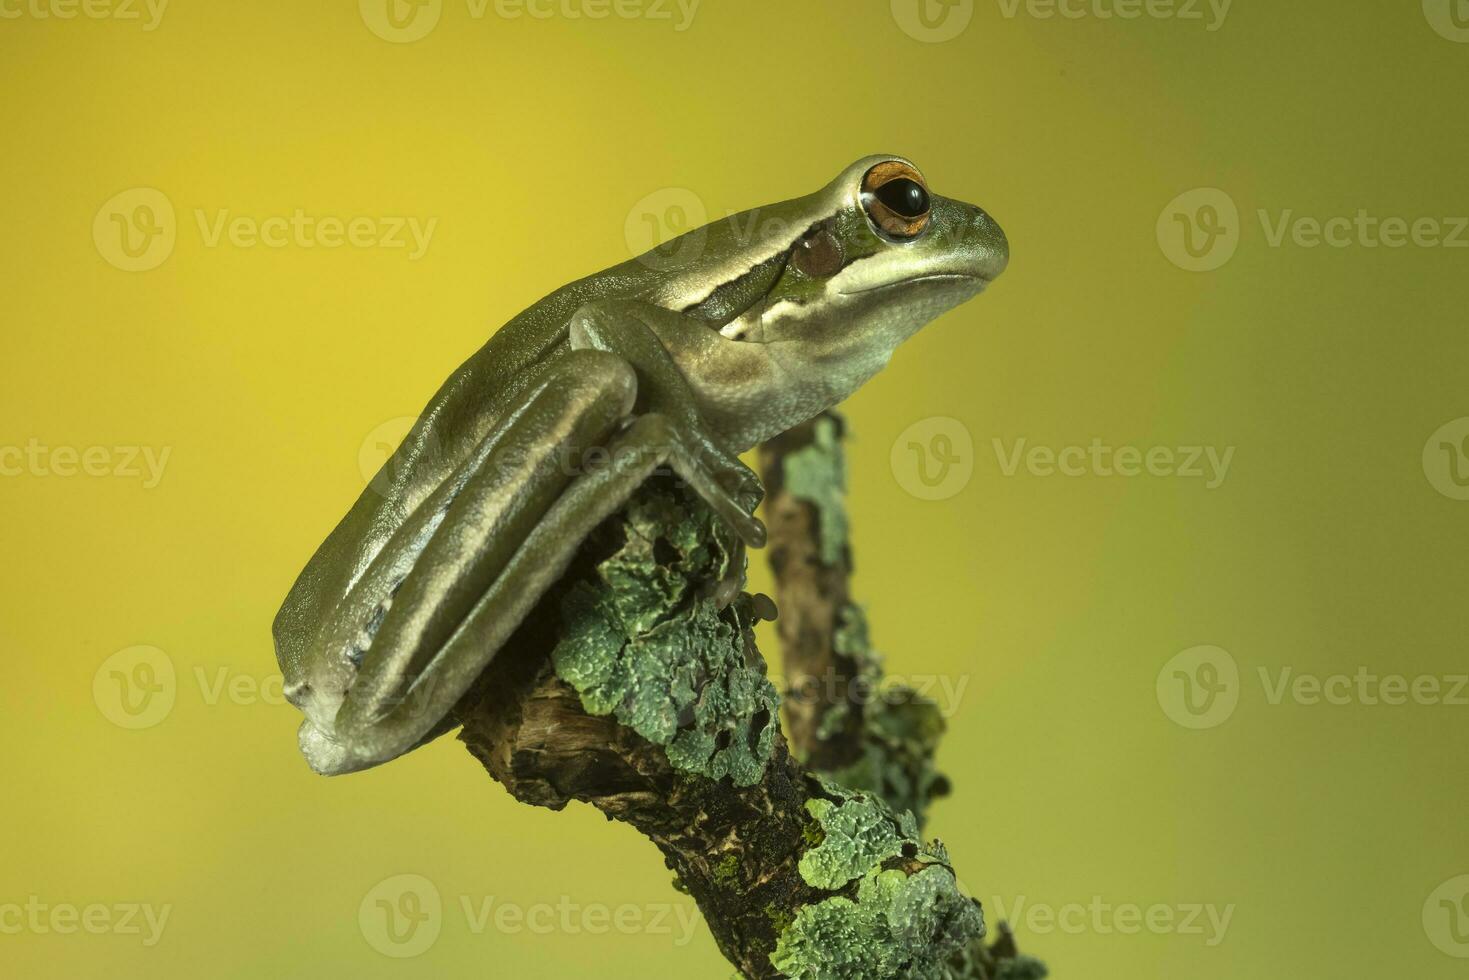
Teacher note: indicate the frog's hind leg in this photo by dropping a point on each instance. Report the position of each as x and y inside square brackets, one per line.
[649, 442]
[418, 590]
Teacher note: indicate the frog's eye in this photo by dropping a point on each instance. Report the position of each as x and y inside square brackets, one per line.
[896, 199]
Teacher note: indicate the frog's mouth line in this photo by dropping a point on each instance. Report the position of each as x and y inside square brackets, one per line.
[935, 277]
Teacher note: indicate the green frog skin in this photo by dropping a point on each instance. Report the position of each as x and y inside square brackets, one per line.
[764, 320]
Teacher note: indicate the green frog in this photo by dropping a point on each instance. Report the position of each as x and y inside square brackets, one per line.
[680, 359]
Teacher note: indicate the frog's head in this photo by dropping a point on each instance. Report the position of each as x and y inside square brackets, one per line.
[838, 279]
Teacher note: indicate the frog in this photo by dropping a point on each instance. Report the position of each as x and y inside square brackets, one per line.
[675, 361]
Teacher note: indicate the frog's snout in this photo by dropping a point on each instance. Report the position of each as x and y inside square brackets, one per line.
[992, 245]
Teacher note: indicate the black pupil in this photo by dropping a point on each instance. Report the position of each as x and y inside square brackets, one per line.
[905, 197]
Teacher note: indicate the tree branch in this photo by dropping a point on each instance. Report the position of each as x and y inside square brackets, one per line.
[630, 688]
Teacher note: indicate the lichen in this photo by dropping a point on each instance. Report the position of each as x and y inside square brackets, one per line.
[906, 916]
[858, 833]
[645, 641]
[1021, 968]
[727, 870]
[900, 733]
[817, 474]
[898, 925]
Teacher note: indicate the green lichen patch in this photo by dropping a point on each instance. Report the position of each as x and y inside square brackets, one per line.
[645, 642]
[859, 833]
[1021, 968]
[726, 872]
[898, 925]
[818, 474]
[905, 917]
[901, 730]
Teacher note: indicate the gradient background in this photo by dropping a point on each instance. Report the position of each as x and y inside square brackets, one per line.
[1054, 601]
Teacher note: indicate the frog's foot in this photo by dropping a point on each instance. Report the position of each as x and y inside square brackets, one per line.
[627, 328]
[728, 486]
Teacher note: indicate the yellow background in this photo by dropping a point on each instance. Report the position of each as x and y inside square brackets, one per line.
[1055, 600]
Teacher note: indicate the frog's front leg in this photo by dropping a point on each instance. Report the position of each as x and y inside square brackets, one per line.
[633, 331]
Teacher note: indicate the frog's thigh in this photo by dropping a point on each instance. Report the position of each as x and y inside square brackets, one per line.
[531, 456]
[542, 558]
